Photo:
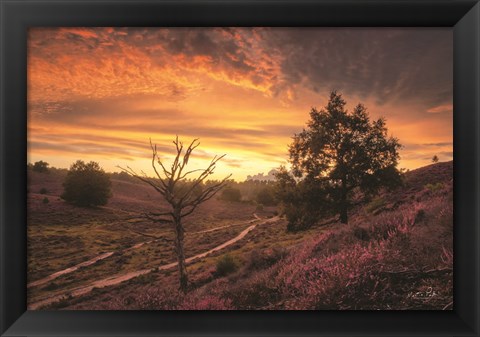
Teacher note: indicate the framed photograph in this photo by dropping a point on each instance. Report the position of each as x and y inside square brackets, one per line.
[240, 168]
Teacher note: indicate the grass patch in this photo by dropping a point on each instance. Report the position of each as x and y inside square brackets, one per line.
[375, 205]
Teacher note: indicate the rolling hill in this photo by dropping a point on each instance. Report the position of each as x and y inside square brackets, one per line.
[396, 252]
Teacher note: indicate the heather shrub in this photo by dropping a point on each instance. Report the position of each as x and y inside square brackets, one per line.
[205, 302]
[45, 200]
[387, 225]
[169, 299]
[262, 259]
[166, 299]
[225, 265]
[361, 233]
[202, 277]
[43, 190]
[420, 216]
[315, 278]
[257, 292]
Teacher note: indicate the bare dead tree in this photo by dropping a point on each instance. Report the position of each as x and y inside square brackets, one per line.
[183, 196]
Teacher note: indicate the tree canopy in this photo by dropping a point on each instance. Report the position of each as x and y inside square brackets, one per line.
[231, 194]
[340, 151]
[40, 166]
[86, 184]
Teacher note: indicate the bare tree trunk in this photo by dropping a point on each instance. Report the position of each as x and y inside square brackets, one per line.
[182, 204]
[343, 202]
[182, 270]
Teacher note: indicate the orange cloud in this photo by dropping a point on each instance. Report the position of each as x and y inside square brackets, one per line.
[101, 93]
[445, 108]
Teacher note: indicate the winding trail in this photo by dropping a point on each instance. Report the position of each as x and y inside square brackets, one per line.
[113, 280]
[68, 270]
[105, 255]
[81, 265]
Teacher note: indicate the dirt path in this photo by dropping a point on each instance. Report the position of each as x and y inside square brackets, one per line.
[103, 256]
[81, 265]
[128, 276]
[227, 226]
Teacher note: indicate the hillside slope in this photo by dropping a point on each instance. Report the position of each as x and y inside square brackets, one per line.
[398, 255]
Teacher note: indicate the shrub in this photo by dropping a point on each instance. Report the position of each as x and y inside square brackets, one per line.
[231, 194]
[434, 187]
[207, 302]
[266, 197]
[86, 185]
[259, 208]
[45, 200]
[43, 190]
[420, 216]
[256, 292]
[301, 217]
[170, 299]
[361, 233]
[349, 278]
[225, 265]
[262, 259]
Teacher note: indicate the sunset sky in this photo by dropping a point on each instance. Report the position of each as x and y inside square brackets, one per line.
[101, 93]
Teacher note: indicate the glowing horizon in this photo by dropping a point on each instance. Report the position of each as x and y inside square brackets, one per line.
[101, 93]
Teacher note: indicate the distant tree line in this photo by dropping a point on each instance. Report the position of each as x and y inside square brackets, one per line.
[85, 184]
[260, 192]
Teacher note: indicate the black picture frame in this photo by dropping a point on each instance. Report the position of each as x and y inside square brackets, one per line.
[18, 15]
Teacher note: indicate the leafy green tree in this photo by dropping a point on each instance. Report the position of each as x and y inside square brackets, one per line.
[340, 151]
[86, 184]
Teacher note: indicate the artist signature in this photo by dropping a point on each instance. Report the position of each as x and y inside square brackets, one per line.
[423, 295]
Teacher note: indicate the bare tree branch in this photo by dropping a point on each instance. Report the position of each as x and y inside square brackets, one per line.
[182, 196]
[204, 196]
[142, 178]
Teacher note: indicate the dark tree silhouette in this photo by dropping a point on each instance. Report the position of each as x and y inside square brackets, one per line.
[183, 196]
[435, 159]
[40, 166]
[340, 151]
[266, 196]
[304, 200]
[231, 194]
[86, 184]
